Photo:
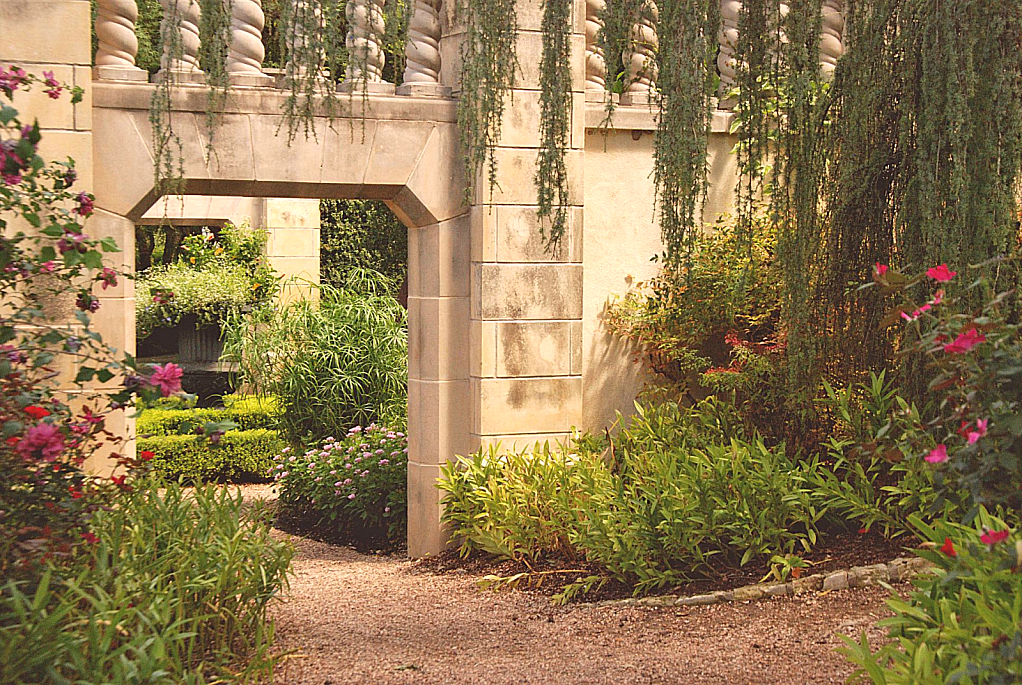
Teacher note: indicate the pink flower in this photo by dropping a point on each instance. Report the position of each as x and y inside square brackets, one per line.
[980, 432]
[937, 455]
[965, 342]
[916, 314]
[351, 496]
[941, 273]
[167, 378]
[42, 440]
[938, 297]
[992, 537]
[85, 204]
[53, 85]
[948, 548]
[879, 270]
[48, 267]
[108, 277]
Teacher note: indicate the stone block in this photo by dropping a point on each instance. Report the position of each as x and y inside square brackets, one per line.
[813, 583]
[346, 151]
[860, 576]
[395, 149]
[441, 327]
[749, 592]
[101, 225]
[46, 31]
[426, 536]
[836, 581]
[290, 213]
[36, 104]
[534, 348]
[519, 237]
[83, 110]
[517, 172]
[438, 423]
[293, 242]
[482, 349]
[576, 348]
[524, 442]
[277, 161]
[61, 144]
[435, 188]
[304, 268]
[230, 154]
[527, 291]
[530, 52]
[115, 320]
[122, 182]
[697, 600]
[508, 406]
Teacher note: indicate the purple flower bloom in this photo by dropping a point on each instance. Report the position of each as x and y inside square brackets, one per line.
[347, 481]
[44, 440]
[383, 462]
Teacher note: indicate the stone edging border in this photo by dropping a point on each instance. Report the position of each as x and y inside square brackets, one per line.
[899, 569]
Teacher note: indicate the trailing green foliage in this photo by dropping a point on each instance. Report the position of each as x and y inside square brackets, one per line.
[175, 589]
[489, 60]
[687, 83]
[354, 488]
[554, 118]
[337, 362]
[236, 455]
[665, 505]
[962, 623]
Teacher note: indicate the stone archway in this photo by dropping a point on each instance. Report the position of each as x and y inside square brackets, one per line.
[406, 155]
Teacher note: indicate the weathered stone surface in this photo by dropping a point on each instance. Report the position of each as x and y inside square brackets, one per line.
[859, 576]
[749, 592]
[836, 581]
[698, 600]
[813, 583]
[507, 406]
[779, 590]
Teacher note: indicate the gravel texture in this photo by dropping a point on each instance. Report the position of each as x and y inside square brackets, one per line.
[357, 618]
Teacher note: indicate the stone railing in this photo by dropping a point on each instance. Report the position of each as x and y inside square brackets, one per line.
[641, 70]
[118, 47]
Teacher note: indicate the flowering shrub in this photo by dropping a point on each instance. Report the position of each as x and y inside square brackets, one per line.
[975, 368]
[962, 624]
[356, 485]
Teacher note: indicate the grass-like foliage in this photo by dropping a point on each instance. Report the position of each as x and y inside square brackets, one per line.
[662, 506]
[174, 589]
[338, 362]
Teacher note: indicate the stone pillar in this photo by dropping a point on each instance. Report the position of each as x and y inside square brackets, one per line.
[640, 58]
[183, 67]
[422, 52]
[54, 35]
[832, 28]
[245, 58]
[292, 244]
[596, 64]
[365, 48]
[118, 46]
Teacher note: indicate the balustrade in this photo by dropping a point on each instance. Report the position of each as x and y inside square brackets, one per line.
[831, 36]
[596, 63]
[245, 58]
[118, 46]
[422, 51]
[640, 58]
[181, 57]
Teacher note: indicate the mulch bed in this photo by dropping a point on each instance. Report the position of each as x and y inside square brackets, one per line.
[836, 551]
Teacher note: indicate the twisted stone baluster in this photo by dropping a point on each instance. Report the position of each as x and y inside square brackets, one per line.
[118, 46]
[727, 39]
[365, 47]
[422, 51]
[640, 57]
[831, 33]
[596, 64]
[245, 58]
[185, 66]
[308, 18]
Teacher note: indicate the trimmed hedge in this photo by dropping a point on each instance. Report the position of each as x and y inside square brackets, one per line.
[250, 413]
[241, 455]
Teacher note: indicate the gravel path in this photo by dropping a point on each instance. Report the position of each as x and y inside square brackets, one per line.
[356, 618]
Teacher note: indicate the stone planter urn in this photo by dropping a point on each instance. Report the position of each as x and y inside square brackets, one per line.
[201, 344]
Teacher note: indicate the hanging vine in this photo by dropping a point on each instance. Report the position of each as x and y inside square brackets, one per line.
[215, 42]
[488, 65]
[168, 163]
[555, 118]
[313, 49]
[614, 38]
[686, 85]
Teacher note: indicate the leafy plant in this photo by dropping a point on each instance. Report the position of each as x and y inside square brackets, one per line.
[336, 362]
[361, 234]
[962, 623]
[356, 486]
[236, 455]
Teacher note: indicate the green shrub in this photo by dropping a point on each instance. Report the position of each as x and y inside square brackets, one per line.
[654, 511]
[356, 486]
[246, 454]
[175, 589]
[962, 623]
[249, 413]
[337, 362]
[361, 234]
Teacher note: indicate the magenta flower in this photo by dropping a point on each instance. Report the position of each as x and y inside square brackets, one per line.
[42, 440]
[965, 342]
[991, 537]
[879, 270]
[108, 277]
[87, 302]
[941, 273]
[937, 455]
[351, 496]
[53, 85]
[981, 430]
[916, 314]
[85, 204]
[167, 378]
